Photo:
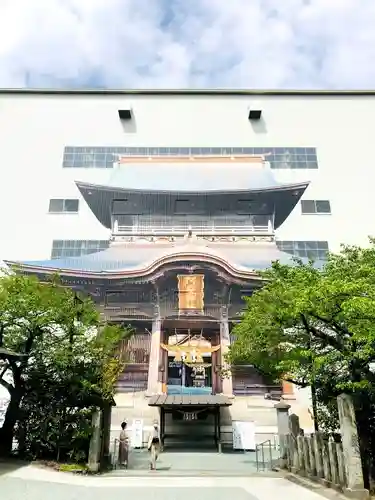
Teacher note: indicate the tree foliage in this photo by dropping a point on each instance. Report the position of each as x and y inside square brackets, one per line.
[317, 326]
[314, 323]
[68, 361]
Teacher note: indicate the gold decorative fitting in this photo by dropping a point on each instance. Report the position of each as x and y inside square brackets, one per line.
[191, 352]
[191, 291]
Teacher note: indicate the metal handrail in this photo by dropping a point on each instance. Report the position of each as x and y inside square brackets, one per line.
[260, 449]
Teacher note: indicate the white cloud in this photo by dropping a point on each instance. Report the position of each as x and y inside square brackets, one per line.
[187, 43]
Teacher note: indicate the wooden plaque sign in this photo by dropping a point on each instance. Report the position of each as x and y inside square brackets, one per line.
[191, 292]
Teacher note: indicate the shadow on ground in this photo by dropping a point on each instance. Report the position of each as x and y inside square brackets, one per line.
[11, 465]
[197, 463]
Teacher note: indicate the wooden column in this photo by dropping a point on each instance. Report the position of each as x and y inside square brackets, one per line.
[162, 425]
[153, 385]
[219, 428]
[213, 373]
[224, 344]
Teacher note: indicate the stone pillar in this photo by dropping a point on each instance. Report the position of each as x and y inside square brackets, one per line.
[306, 454]
[224, 345]
[326, 463]
[310, 444]
[294, 429]
[301, 456]
[106, 437]
[332, 453]
[318, 452]
[95, 442]
[282, 412]
[350, 445]
[153, 384]
[340, 464]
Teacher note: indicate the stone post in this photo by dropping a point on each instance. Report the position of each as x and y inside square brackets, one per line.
[351, 451]
[332, 453]
[153, 385]
[301, 456]
[310, 444]
[282, 413]
[294, 429]
[318, 452]
[106, 426]
[306, 454]
[340, 464]
[326, 462]
[95, 442]
[224, 347]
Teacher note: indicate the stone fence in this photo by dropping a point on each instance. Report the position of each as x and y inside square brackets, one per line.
[334, 464]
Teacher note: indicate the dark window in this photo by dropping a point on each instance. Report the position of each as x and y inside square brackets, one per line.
[187, 207]
[315, 250]
[315, 207]
[244, 207]
[308, 207]
[56, 205]
[323, 207]
[63, 206]
[76, 248]
[125, 114]
[120, 207]
[104, 157]
[71, 205]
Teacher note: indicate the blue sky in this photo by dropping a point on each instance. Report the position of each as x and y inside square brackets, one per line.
[187, 43]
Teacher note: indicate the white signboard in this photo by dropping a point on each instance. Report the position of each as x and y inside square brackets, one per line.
[137, 433]
[243, 435]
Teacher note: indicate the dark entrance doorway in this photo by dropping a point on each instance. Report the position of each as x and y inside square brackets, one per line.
[189, 379]
[190, 422]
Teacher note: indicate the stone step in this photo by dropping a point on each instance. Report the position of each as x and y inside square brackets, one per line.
[182, 442]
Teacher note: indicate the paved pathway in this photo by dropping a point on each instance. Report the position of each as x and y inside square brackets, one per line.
[199, 463]
[32, 483]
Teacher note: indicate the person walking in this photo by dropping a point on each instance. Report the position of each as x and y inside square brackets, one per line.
[153, 445]
[123, 452]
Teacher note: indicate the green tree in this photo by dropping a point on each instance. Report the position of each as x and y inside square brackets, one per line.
[316, 327]
[66, 352]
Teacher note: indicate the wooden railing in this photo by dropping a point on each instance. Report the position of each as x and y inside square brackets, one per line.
[202, 230]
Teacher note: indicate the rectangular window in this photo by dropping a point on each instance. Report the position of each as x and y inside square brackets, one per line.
[187, 207]
[315, 207]
[63, 206]
[105, 157]
[245, 207]
[315, 250]
[76, 248]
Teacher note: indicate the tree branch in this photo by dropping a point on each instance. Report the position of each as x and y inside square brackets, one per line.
[2, 328]
[327, 339]
[6, 367]
[296, 382]
[332, 324]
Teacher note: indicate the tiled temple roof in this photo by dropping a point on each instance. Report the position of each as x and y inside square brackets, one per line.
[192, 176]
[133, 258]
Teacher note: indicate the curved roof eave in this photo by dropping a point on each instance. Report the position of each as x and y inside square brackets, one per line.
[147, 270]
[114, 189]
[88, 191]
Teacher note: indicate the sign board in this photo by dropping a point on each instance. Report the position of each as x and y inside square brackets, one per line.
[191, 291]
[137, 433]
[243, 435]
[190, 416]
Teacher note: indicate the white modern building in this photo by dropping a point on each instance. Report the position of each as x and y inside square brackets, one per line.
[118, 188]
[50, 139]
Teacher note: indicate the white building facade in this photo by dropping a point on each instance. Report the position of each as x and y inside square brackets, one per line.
[49, 140]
